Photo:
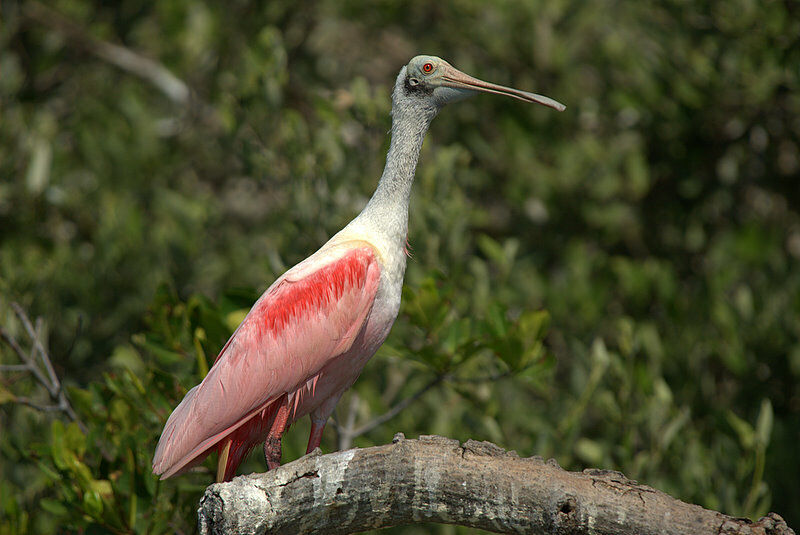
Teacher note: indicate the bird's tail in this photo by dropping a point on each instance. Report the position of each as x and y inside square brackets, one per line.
[234, 447]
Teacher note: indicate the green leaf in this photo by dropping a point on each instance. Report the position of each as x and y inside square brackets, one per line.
[74, 439]
[81, 399]
[58, 446]
[534, 324]
[625, 332]
[202, 362]
[126, 357]
[457, 334]
[120, 412]
[80, 471]
[6, 396]
[672, 429]
[530, 355]
[589, 451]
[136, 382]
[48, 471]
[165, 356]
[433, 358]
[93, 504]
[235, 318]
[492, 249]
[600, 356]
[510, 351]
[496, 320]
[764, 423]
[102, 487]
[743, 429]
[151, 481]
[54, 507]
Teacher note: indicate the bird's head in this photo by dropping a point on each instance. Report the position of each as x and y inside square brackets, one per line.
[432, 78]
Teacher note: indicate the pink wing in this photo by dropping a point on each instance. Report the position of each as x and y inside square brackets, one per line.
[309, 316]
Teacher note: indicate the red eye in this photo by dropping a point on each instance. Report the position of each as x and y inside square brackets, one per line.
[428, 67]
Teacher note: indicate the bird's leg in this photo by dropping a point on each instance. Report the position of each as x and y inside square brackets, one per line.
[273, 452]
[319, 418]
[272, 444]
[315, 437]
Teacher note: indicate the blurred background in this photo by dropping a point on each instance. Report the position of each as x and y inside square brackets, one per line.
[616, 286]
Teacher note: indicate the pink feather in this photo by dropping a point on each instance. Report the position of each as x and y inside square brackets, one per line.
[306, 319]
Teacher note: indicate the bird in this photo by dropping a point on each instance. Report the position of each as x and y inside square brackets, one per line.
[307, 338]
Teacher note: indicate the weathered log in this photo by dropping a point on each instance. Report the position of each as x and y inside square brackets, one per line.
[436, 479]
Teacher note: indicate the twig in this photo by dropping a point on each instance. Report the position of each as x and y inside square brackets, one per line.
[31, 367]
[394, 411]
[37, 337]
[37, 406]
[37, 346]
[50, 382]
[345, 431]
[14, 368]
[483, 379]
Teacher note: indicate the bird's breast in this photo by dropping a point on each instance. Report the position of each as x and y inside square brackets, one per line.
[390, 248]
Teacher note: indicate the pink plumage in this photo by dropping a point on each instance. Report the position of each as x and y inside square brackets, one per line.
[303, 322]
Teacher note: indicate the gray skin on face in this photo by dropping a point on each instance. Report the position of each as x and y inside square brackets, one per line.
[424, 79]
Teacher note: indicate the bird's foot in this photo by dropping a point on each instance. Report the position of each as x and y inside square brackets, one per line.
[272, 452]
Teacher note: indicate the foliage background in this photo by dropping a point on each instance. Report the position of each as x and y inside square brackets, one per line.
[655, 221]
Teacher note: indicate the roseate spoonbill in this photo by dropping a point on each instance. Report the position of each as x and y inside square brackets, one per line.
[308, 336]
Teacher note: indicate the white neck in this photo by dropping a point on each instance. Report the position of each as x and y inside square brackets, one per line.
[387, 210]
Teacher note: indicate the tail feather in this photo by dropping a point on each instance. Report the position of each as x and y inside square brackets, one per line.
[172, 458]
[166, 450]
[242, 441]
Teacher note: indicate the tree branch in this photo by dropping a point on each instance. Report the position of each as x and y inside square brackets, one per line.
[123, 58]
[436, 479]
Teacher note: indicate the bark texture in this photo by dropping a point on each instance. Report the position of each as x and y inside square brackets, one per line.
[437, 479]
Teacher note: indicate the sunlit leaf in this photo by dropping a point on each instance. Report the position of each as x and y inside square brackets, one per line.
[763, 428]
[743, 429]
[54, 507]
